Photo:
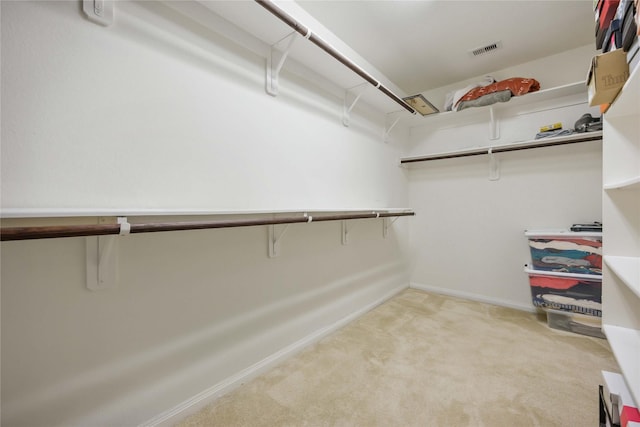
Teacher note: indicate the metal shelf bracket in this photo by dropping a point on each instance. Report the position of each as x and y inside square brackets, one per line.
[275, 237]
[345, 232]
[274, 240]
[275, 61]
[494, 166]
[351, 97]
[387, 129]
[386, 223]
[346, 229]
[102, 258]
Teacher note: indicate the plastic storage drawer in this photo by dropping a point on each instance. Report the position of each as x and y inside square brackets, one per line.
[576, 293]
[566, 251]
[576, 323]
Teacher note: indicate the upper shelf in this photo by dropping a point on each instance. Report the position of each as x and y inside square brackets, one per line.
[517, 104]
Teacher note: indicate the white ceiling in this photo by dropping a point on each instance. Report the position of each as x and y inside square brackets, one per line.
[423, 44]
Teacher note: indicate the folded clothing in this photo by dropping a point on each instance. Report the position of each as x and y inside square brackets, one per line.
[517, 85]
[554, 133]
[452, 98]
[488, 99]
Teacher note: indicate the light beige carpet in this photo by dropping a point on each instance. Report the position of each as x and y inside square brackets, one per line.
[428, 360]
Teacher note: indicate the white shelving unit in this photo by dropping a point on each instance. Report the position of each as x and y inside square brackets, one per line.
[621, 236]
[627, 269]
[629, 184]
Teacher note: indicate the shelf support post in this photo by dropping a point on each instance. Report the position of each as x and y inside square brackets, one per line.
[275, 61]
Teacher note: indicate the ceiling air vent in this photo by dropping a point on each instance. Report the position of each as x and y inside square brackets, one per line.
[483, 50]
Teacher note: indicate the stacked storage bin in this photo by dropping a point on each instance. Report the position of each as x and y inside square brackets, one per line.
[565, 276]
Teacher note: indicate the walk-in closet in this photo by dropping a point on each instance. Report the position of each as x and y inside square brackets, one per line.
[320, 213]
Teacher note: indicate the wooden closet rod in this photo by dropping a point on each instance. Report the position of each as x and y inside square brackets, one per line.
[306, 32]
[51, 232]
[506, 148]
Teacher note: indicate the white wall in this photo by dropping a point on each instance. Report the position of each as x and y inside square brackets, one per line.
[154, 112]
[467, 238]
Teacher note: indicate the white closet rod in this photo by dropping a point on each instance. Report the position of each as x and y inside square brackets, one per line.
[306, 32]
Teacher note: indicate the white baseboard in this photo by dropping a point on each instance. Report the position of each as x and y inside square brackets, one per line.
[472, 297]
[199, 401]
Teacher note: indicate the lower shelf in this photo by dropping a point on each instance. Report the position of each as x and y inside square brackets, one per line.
[627, 269]
[625, 343]
[628, 184]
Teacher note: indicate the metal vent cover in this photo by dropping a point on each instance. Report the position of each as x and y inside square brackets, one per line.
[483, 50]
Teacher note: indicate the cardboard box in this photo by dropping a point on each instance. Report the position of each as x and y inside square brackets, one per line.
[608, 73]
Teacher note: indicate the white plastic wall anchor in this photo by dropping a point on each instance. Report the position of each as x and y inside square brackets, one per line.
[386, 223]
[99, 11]
[274, 239]
[494, 166]
[275, 61]
[102, 258]
[387, 130]
[494, 125]
[351, 97]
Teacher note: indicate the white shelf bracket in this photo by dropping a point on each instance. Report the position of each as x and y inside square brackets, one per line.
[346, 229]
[351, 97]
[99, 11]
[275, 239]
[345, 233]
[275, 61]
[494, 125]
[387, 129]
[386, 223]
[102, 258]
[494, 166]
